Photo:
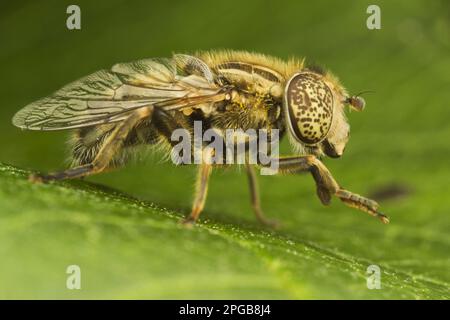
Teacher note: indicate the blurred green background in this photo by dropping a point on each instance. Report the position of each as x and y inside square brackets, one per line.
[399, 151]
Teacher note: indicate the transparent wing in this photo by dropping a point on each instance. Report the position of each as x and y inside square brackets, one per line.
[110, 95]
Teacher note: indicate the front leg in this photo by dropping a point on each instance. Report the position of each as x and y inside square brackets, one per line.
[327, 185]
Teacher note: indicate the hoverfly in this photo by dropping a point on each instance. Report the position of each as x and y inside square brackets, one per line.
[142, 102]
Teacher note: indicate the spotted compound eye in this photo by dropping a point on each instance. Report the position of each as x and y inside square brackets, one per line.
[309, 104]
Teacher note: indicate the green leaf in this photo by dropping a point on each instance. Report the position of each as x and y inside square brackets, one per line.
[127, 248]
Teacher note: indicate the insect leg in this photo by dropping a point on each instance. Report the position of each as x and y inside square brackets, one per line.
[254, 197]
[201, 190]
[165, 124]
[111, 147]
[327, 185]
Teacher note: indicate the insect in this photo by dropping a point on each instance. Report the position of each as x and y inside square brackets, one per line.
[140, 103]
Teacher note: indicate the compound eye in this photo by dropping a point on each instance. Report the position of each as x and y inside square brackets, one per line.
[309, 106]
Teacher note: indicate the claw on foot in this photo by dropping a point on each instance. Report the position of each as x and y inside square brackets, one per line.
[263, 219]
[36, 178]
[383, 218]
[188, 222]
[271, 223]
[367, 205]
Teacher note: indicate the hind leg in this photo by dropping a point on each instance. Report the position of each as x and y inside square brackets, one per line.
[111, 147]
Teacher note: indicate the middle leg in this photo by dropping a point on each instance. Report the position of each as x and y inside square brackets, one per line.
[254, 197]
